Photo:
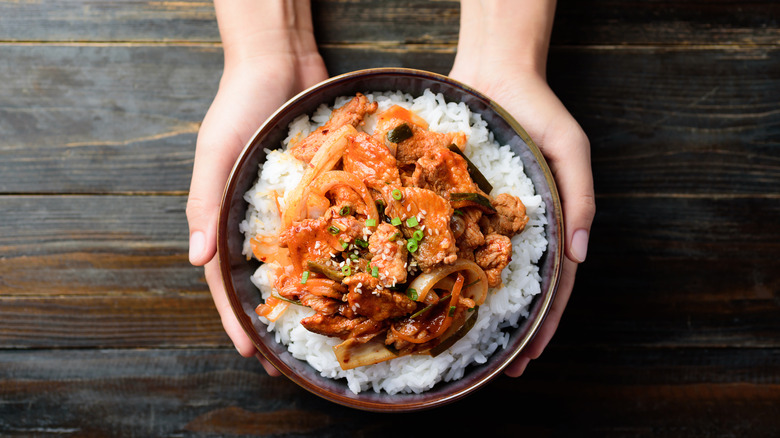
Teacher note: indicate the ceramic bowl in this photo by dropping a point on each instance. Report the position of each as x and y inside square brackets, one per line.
[236, 269]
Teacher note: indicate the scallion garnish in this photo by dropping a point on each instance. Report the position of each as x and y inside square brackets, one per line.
[412, 294]
[418, 235]
[411, 245]
[345, 210]
[370, 222]
[361, 243]
[333, 230]
[396, 221]
[304, 277]
[397, 195]
[412, 222]
[374, 271]
[346, 270]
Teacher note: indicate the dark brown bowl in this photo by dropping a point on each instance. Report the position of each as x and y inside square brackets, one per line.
[236, 270]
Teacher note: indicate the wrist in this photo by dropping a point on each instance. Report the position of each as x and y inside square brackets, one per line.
[257, 32]
[505, 34]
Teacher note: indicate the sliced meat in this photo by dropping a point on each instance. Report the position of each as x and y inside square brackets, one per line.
[367, 299]
[432, 214]
[352, 113]
[493, 257]
[389, 255]
[443, 172]
[338, 326]
[317, 239]
[509, 219]
[470, 237]
[371, 161]
[424, 142]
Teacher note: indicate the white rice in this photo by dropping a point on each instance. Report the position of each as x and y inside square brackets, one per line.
[504, 307]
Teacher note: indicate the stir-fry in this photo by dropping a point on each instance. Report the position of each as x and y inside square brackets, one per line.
[392, 238]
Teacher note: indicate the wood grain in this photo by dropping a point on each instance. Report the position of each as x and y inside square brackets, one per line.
[672, 328]
[589, 22]
[173, 392]
[84, 113]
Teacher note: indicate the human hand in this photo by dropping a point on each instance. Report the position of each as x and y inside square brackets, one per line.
[262, 71]
[513, 75]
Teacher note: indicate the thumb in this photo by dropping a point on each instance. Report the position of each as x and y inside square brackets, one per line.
[568, 152]
[215, 155]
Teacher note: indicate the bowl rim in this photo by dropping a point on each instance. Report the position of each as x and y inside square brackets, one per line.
[223, 252]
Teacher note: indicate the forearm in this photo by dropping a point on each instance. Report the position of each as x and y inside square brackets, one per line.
[506, 33]
[252, 30]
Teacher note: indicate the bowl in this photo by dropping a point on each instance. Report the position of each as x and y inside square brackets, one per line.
[236, 269]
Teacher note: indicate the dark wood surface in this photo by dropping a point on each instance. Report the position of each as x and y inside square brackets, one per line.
[674, 325]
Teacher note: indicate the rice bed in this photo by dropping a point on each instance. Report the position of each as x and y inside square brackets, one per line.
[504, 307]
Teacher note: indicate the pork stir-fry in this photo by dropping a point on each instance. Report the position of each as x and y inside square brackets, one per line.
[392, 238]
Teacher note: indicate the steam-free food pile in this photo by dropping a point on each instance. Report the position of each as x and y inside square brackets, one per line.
[398, 241]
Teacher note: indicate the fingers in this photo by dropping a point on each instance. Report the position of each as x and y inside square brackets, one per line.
[569, 152]
[535, 348]
[230, 323]
[215, 154]
[273, 372]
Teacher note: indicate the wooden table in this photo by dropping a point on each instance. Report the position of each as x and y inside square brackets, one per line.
[674, 325]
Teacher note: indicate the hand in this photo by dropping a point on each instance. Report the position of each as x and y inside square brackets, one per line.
[513, 75]
[257, 80]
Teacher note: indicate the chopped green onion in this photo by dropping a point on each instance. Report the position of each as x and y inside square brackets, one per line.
[412, 294]
[305, 277]
[334, 230]
[394, 237]
[396, 221]
[345, 210]
[346, 270]
[370, 222]
[361, 243]
[397, 195]
[452, 310]
[374, 271]
[344, 245]
[411, 245]
[399, 133]
[427, 308]
[418, 235]
[412, 222]
[353, 256]
[472, 283]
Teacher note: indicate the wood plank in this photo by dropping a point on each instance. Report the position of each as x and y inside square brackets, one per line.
[122, 260]
[95, 245]
[663, 22]
[112, 20]
[97, 118]
[675, 121]
[591, 22]
[124, 118]
[566, 392]
[91, 271]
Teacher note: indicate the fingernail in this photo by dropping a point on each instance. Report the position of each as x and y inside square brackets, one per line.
[197, 245]
[579, 245]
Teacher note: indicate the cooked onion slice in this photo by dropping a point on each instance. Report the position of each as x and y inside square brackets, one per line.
[334, 178]
[326, 158]
[476, 284]
[352, 354]
[272, 309]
